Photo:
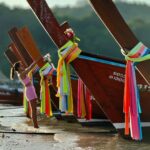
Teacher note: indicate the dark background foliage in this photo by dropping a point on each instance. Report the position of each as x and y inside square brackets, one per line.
[94, 36]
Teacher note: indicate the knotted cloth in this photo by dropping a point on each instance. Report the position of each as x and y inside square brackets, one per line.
[46, 73]
[67, 54]
[132, 107]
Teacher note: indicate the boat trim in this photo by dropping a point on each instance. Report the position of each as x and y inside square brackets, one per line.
[93, 120]
[102, 61]
[122, 125]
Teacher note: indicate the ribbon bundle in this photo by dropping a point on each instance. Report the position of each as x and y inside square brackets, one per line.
[132, 108]
[84, 106]
[45, 73]
[67, 54]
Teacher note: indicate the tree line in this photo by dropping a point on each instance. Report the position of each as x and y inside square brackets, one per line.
[92, 33]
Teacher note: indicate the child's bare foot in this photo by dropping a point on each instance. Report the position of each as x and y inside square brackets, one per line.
[36, 126]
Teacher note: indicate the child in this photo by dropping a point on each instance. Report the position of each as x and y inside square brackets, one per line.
[29, 87]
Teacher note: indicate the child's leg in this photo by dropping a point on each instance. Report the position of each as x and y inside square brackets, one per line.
[29, 111]
[34, 112]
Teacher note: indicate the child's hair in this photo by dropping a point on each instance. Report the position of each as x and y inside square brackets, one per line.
[13, 69]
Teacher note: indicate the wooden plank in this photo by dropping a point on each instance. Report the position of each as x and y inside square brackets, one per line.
[13, 48]
[28, 42]
[114, 22]
[25, 57]
[11, 57]
[48, 21]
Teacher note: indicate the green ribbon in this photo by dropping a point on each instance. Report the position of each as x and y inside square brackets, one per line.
[25, 103]
[42, 83]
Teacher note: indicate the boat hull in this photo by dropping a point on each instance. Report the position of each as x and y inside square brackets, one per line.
[13, 96]
[105, 79]
[102, 76]
[96, 111]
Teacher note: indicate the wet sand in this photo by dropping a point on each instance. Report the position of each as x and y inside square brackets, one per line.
[17, 133]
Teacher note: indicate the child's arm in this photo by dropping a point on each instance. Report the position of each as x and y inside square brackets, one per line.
[28, 69]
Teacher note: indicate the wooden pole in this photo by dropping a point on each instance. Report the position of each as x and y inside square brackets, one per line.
[48, 21]
[28, 42]
[24, 55]
[11, 57]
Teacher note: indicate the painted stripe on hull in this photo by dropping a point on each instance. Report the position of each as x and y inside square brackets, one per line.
[102, 61]
[121, 125]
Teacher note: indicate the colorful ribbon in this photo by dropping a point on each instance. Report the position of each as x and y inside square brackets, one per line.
[46, 73]
[67, 54]
[25, 102]
[84, 105]
[132, 107]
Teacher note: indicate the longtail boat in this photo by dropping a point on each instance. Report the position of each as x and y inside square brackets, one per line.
[132, 49]
[103, 76]
[21, 47]
[9, 95]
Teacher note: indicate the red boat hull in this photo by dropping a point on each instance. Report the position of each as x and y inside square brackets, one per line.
[103, 75]
[96, 112]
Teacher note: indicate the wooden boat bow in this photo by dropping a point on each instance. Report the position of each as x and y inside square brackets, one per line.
[112, 19]
[49, 21]
[20, 50]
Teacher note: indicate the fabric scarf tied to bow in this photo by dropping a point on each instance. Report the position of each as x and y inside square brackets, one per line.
[45, 73]
[132, 107]
[67, 54]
